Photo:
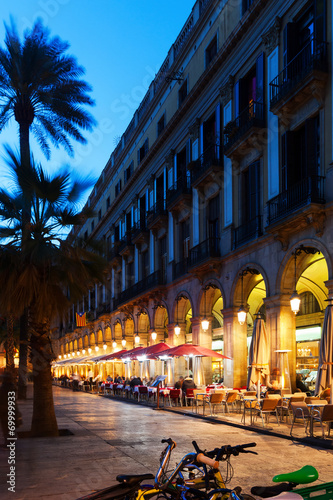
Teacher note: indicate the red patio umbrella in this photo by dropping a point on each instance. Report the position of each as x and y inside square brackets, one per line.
[191, 350]
[153, 350]
[114, 355]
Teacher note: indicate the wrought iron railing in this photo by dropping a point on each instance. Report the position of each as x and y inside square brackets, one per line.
[153, 280]
[179, 269]
[157, 210]
[252, 116]
[308, 190]
[313, 56]
[210, 157]
[181, 187]
[248, 231]
[207, 249]
[139, 227]
[113, 253]
[125, 241]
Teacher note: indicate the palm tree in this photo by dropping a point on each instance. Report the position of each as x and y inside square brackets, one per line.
[49, 274]
[41, 88]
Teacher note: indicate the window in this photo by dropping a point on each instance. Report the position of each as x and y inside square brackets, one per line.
[182, 93]
[85, 236]
[251, 192]
[185, 239]
[213, 218]
[99, 214]
[160, 125]
[92, 225]
[144, 264]
[142, 151]
[300, 153]
[108, 202]
[309, 304]
[118, 188]
[211, 51]
[249, 94]
[246, 5]
[128, 172]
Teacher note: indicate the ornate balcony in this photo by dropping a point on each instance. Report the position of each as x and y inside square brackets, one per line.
[247, 232]
[157, 216]
[179, 195]
[205, 255]
[113, 256]
[179, 269]
[241, 134]
[140, 232]
[303, 77]
[126, 244]
[297, 207]
[149, 283]
[207, 168]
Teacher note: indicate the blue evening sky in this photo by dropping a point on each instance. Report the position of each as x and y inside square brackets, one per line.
[120, 43]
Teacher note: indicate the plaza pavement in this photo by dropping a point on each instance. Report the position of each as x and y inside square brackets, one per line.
[111, 436]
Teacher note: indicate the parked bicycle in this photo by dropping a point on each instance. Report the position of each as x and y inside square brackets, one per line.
[197, 475]
[288, 483]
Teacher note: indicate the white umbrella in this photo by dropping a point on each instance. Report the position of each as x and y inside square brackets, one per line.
[325, 369]
[259, 354]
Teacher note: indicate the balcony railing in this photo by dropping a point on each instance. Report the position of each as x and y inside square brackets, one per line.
[139, 227]
[113, 253]
[206, 250]
[309, 190]
[249, 231]
[252, 116]
[181, 187]
[179, 269]
[125, 241]
[210, 158]
[157, 210]
[153, 280]
[312, 57]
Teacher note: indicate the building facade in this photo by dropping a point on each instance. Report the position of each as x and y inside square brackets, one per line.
[218, 195]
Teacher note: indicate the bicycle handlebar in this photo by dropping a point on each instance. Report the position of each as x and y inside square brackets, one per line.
[226, 450]
[203, 459]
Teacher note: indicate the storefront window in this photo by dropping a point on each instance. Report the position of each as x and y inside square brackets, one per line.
[307, 354]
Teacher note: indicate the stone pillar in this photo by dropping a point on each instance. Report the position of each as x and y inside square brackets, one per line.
[235, 346]
[203, 338]
[281, 329]
[173, 340]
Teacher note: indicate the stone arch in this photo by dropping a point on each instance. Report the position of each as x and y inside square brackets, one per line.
[181, 306]
[285, 280]
[205, 303]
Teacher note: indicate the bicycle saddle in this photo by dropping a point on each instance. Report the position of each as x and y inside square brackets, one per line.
[305, 475]
[132, 479]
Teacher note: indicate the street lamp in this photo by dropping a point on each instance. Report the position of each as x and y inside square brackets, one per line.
[295, 299]
[123, 341]
[242, 313]
[154, 336]
[177, 327]
[105, 347]
[137, 339]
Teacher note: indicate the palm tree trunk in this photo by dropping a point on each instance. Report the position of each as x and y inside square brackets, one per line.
[10, 346]
[26, 216]
[44, 422]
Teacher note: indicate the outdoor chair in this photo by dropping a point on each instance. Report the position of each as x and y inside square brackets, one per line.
[324, 416]
[299, 409]
[230, 400]
[213, 400]
[143, 392]
[267, 407]
[199, 398]
[176, 396]
[107, 389]
[286, 406]
[189, 396]
[311, 399]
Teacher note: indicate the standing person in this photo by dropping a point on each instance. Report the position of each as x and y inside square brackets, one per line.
[90, 377]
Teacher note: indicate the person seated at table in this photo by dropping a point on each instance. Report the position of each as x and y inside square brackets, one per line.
[135, 381]
[150, 381]
[300, 384]
[109, 378]
[325, 394]
[179, 383]
[188, 383]
[273, 387]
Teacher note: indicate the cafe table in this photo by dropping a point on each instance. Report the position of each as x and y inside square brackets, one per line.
[314, 406]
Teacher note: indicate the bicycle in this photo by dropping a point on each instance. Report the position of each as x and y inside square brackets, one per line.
[289, 481]
[173, 485]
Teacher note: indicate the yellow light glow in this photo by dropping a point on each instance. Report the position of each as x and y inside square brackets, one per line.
[205, 324]
[154, 335]
[177, 330]
[137, 339]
